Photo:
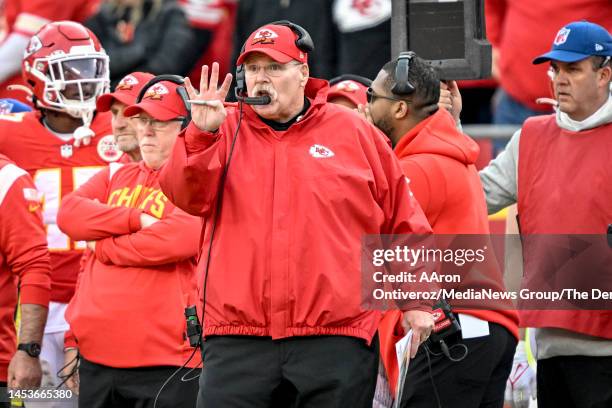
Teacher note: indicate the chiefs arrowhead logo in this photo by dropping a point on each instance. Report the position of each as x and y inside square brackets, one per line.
[562, 36]
[156, 92]
[320, 152]
[264, 36]
[127, 82]
[34, 45]
[348, 86]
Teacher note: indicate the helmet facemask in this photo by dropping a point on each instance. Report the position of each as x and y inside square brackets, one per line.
[73, 82]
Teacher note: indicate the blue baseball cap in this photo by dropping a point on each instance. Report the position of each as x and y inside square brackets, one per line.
[577, 41]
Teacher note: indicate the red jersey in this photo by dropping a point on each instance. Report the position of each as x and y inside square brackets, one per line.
[28, 16]
[23, 253]
[140, 280]
[57, 168]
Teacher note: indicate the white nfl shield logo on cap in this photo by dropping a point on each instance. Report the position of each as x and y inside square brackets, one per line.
[562, 36]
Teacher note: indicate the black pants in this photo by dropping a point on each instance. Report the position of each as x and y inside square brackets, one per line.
[299, 372]
[575, 382]
[477, 381]
[108, 387]
[3, 396]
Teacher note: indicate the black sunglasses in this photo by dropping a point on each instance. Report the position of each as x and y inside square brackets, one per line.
[371, 95]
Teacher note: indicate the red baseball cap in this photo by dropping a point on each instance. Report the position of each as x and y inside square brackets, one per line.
[126, 91]
[161, 101]
[276, 41]
[349, 89]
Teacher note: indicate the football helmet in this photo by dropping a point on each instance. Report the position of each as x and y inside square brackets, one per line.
[66, 68]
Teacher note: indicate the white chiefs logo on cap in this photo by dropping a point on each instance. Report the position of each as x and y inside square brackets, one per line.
[348, 86]
[156, 92]
[264, 36]
[108, 150]
[128, 82]
[562, 36]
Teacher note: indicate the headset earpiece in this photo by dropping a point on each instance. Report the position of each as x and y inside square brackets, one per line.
[402, 71]
[176, 79]
[304, 40]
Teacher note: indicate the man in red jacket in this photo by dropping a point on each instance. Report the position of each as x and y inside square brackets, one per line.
[288, 187]
[439, 161]
[124, 133]
[24, 268]
[127, 313]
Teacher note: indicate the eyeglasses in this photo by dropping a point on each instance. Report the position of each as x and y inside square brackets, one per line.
[273, 70]
[154, 123]
[371, 95]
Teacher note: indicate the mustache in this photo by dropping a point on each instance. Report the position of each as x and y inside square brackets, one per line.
[264, 89]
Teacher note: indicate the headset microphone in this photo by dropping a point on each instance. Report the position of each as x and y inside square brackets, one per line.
[255, 100]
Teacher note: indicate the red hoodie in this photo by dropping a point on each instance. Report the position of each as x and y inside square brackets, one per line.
[128, 307]
[24, 258]
[439, 161]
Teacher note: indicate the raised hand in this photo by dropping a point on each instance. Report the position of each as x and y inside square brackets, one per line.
[207, 110]
[450, 99]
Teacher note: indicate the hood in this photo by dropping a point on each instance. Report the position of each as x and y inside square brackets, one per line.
[438, 134]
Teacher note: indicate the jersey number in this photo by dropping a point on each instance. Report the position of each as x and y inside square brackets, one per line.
[49, 182]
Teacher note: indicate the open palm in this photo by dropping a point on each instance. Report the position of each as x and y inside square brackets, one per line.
[209, 115]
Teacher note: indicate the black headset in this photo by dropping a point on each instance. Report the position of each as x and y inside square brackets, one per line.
[303, 42]
[402, 70]
[350, 77]
[176, 79]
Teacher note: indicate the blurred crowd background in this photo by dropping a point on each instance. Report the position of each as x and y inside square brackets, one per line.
[351, 37]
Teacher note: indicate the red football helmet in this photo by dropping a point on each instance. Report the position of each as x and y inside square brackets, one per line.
[66, 68]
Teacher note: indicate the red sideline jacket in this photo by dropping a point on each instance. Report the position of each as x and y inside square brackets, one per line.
[128, 307]
[23, 253]
[286, 256]
[439, 161]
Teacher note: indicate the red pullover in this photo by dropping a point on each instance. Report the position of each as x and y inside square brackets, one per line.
[128, 309]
